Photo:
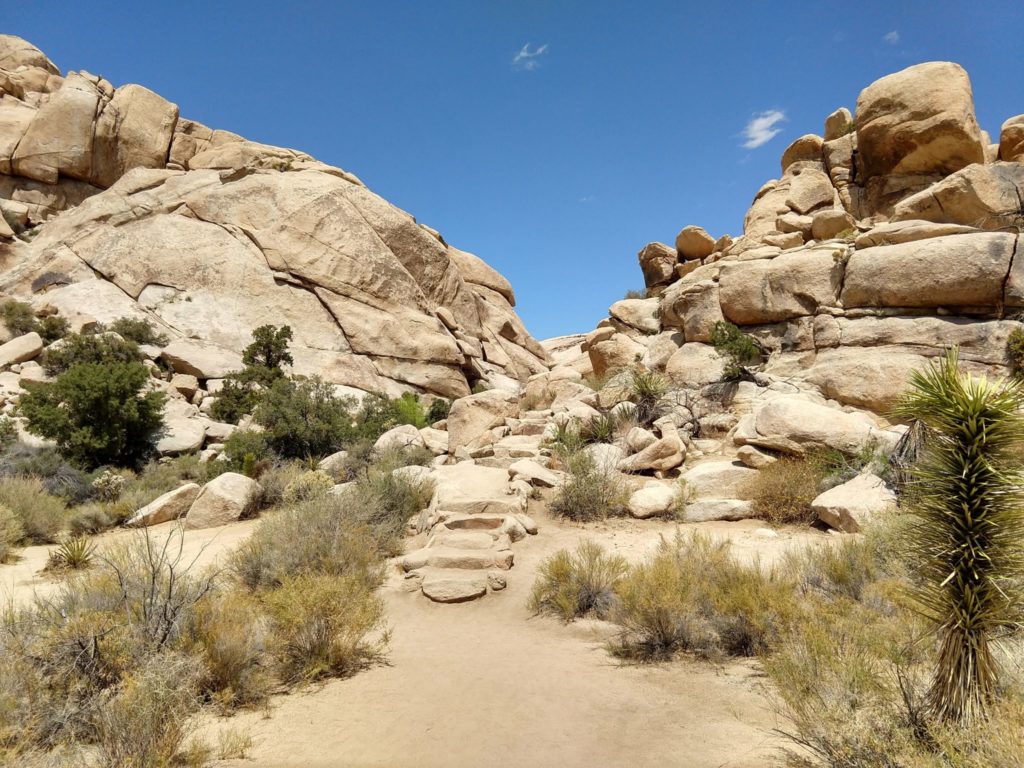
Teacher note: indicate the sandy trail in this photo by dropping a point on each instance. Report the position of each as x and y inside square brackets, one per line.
[486, 683]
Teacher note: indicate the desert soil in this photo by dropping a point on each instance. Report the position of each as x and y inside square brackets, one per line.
[486, 683]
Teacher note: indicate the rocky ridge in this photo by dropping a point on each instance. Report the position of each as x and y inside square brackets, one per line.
[113, 205]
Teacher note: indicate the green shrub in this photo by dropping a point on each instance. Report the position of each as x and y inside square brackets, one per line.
[40, 515]
[304, 419]
[90, 519]
[319, 625]
[737, 348]
[76, 349]
[439, 409]
[138, 330]
[782, 492]
[269, 348]
[109, 486]
[52, 328]
[692, 595]
[8, 432]
[573, 584]
[409, 410]
[246, 442]
[17, 317]
[647, 390]
[589, 492]
[73, 554]
[308, 485]
[96, 413]
[238, 396]
[389, 500]
[1015, 351]
[11, 532]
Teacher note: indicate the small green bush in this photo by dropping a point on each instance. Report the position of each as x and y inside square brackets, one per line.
[96, 413]
[409, 410]
[269, 348]
[1015, 351]
[573, 584]
[647, 390]
[40, 515]
[8, 432]
[319, 626]
[17, 317]
[389, 501]
[308, 485]
[52, 328]
[76, 349]
[634, 293]
[73, 554]
[304, 419]
[589, 492]
[782, 492]
[439, 409]
[737, 348]
[137, 330]
[246, 442]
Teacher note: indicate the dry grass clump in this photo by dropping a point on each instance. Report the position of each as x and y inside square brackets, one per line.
[42, 516]
[11, 533]
[692, 595]
[573, 584]
[589, 491]
[783, 491]
[320, 623]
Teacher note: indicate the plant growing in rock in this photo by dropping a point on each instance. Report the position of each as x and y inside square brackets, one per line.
[647, 390]
[967, 492]
[1015, 351]
[737, 348]
[305, 418]
[138, 330]
[78, 349]
[438, 410]
[17, 317]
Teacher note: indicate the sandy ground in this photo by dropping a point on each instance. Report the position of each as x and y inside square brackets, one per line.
[486, 683]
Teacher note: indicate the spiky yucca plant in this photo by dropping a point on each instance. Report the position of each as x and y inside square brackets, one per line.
[966, 490]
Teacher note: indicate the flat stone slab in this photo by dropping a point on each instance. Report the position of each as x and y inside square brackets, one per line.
[448, 587]
[471, 489]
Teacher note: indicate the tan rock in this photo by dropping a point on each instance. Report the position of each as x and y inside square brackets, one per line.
[652, 500]
[533, 473]
[695, 365]
[770, 290]
[794, 222]
[829, 223]
[133, 131]
[785, 241]
[15, 53]
[20, 349]
[1011, 140]
[919, 120]
[661, 456]
[168, 506]
[223, 500]
[705, 510]
[398, 438]
[472, 417]
[694, 243]
[185, 384]
[951, 271]
[718, 479]
[617, 352]
[809, 190]
[806, 148]
[895, 232]
[848, 507]
[201, 359]
[870, 377]
[838, 124]
[749, 456]
[983, 196]
[658, 262]
[641, 314]
[693, 306]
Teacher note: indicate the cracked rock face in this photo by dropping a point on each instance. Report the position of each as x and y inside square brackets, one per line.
[116, 206]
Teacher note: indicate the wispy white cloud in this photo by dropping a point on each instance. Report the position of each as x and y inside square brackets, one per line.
[527, 59]
[892, 38]
[588, 199]
[762, 128]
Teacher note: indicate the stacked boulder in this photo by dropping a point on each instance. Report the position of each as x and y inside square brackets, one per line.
[210, 236]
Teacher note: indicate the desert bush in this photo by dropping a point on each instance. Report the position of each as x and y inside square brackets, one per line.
[73, 554]
[52, 328]
[409, 410]
[57, 476]
[137, 330]
[438, 410]
[328, 535]
[269, 348]
[572, 584]
[11, 532]
[78, 349]
[737, 348]
[228, 634]
[17, 317]
[274, 478]
[782, 492]
[566, 440]
[8, 432]
[692, 595]
[389, 500]
[238, 396]
[308, 485]
[647, 390]
[320, 625]
[589, 492]
[146, 720]
[634, 293]
[1015, 351]
[304, 419]
[96, 413]
[40, 515]
[89, 519]
[246, 442]
[109, 485]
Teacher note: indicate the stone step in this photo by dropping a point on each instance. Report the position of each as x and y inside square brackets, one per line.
[444, 585]
[489, 539]
[463, 559]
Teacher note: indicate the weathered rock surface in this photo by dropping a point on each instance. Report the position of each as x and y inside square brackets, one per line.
[849, 506]
[223, 500]
[169, 506]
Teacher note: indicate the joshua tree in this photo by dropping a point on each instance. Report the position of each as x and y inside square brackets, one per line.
[968, 547]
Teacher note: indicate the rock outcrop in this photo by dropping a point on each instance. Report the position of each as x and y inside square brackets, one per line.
[115, 205]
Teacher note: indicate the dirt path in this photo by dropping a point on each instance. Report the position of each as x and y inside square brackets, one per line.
[485, 683]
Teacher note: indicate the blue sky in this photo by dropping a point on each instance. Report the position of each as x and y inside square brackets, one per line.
[553, 139]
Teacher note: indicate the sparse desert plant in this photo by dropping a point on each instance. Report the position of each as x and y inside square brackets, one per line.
[41, 515]
[308, 485]
[322, 625]
[1015, 351]
[693, 595]
[11, 532]
[967, 492]
[737, 349]
[52, 327]
[138, 330]
[326, 535]
[17, 317]
[75, 553]
[566, 439]
[109, 485]
[8, 432]
[601, 428]
[96, 413]
[635, 293]
[89, 519]
[647, 390]
[782, 492]
[389, 500]
[589, 492]
[145, 722]
[573, 584]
